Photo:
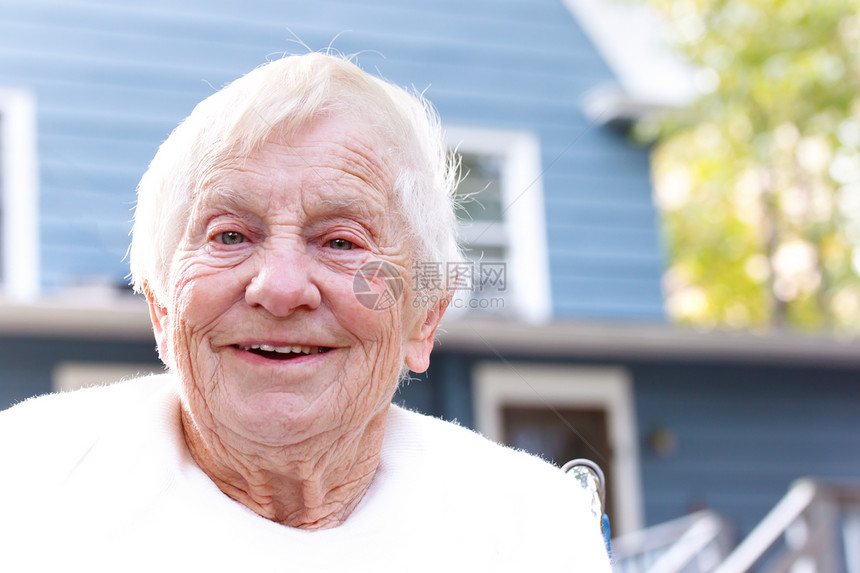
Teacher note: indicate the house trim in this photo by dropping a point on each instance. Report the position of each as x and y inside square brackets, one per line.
[19, 195]
[78, 315]
[127, 318]
[631, 341]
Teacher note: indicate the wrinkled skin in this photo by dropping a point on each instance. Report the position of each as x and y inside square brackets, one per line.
[269, 258]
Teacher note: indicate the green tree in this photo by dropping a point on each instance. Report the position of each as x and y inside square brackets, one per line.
[759, 181]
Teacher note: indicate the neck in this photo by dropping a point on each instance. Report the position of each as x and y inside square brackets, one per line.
[315, 484]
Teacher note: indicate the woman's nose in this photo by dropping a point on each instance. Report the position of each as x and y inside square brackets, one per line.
[283, 282]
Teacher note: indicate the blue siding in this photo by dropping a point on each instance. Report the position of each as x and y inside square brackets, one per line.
[113, 78]
[744, 434]
[444, 391]
[28, 363]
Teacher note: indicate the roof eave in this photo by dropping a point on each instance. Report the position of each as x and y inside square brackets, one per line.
[648, 342]
[127, 318]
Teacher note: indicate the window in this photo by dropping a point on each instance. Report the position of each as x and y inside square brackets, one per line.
[534, 407]
[19, 232]
[502, 224]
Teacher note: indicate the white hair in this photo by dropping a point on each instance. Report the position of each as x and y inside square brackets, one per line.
[289, 94]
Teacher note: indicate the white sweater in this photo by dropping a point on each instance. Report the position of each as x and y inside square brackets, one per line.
[101, 479]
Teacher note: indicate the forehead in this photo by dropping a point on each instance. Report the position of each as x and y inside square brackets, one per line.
[336, 161]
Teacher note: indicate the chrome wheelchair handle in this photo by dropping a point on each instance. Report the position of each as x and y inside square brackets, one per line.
[590, 477]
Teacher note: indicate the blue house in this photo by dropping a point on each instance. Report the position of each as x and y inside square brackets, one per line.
[565, 350]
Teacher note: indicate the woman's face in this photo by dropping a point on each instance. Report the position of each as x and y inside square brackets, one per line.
[264, 326]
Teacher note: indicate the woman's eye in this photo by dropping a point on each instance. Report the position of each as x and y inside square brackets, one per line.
[340, 244]
[231, 237]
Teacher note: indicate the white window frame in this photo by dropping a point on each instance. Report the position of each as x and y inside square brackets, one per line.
[19, 185]
[70, 376]
[521, 189]
[498, 385]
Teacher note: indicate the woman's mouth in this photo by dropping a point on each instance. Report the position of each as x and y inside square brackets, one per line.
[282, 352]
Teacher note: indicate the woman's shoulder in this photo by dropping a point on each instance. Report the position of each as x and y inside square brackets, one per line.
[58, 426]
[529, 506]
[436, 437]
[82, 404]
[470, 459]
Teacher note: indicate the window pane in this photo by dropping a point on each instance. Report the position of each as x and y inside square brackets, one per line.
[479, 192]
[483, 233]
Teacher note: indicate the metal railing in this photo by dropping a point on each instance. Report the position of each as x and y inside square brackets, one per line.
[696, 543]
[815, 528]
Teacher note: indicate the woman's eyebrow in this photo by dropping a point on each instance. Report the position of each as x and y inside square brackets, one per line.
[318, 204]
[362, 211]
[347, 206]
[370, 213]
[227, 197]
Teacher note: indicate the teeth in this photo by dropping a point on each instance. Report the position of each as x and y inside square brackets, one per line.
[296, 349]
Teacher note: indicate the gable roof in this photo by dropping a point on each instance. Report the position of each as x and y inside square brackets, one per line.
[631, 38]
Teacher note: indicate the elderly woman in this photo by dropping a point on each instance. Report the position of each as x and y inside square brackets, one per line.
[271, 442]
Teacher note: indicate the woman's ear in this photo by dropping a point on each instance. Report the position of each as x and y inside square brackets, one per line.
[420, 344]
[158, 316]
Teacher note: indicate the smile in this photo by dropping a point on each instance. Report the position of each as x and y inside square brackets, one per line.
[282, 352]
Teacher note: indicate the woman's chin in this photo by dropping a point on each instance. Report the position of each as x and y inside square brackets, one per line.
[281, 419]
